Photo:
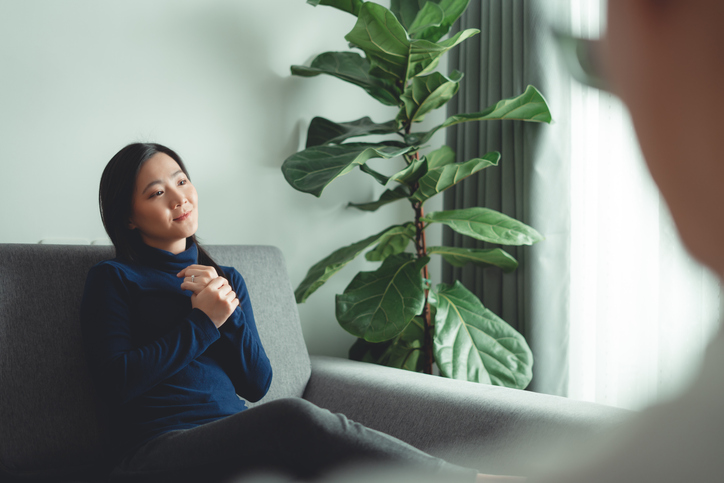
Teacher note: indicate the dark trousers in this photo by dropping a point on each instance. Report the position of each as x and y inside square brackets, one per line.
[288, 436]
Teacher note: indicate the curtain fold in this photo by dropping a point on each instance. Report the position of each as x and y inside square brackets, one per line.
[511, 52]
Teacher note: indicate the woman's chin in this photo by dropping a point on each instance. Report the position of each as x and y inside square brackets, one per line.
[190, 229]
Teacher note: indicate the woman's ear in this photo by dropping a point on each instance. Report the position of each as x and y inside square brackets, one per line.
[131, 226]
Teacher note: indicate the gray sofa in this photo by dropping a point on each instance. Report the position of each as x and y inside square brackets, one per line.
[52, 425]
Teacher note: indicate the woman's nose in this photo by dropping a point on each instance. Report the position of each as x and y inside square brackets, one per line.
[177, 197]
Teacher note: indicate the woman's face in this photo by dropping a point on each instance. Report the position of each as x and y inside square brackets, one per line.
[164, 206]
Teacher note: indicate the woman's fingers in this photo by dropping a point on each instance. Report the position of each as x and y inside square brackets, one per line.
[199, 268]
[217, 300]
[195, 283]
[227, 293]
[231, 300]
[196, 277]
[217, 283]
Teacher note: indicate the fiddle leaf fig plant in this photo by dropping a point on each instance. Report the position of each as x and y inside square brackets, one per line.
[398, 318]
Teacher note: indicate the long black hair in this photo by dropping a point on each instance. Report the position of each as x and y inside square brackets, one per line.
[115, 198]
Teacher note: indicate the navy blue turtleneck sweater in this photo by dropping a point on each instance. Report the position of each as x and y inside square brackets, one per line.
[161, 364]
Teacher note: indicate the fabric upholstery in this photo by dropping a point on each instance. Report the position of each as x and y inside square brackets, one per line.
[466, 423]
[52, 424]
[51, 421]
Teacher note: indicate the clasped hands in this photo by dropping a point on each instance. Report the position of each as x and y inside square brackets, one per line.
[212, 294]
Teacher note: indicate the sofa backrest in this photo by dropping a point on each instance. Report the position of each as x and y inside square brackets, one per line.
[51, 422]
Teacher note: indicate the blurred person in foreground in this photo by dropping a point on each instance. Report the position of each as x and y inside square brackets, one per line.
[665, 60]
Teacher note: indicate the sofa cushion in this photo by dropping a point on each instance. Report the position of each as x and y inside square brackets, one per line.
[51, 421]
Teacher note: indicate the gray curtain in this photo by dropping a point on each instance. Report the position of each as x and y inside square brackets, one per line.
[510, 53]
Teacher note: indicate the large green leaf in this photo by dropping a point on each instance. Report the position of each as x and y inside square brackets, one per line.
[439, 179]
[321, 271]
[427, 93]
[402, 352]
[419, 167]
[406, 10]
[323, 131]
[391, 52]
[311, 170]
[379, 177]
[412, 14]
[411, 173]
[529, 106]
[459, 257]
[473, 344]
[425, 55]
[381, 36]
[355, 69]
[392, 244]
[452, 10]
[430, 16]
[387, 197]
[377, 306]
[486, 225]
[440, 157]
[350, 6]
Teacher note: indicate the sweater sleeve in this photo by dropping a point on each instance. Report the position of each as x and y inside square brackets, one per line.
[122, 370]
[247, 365]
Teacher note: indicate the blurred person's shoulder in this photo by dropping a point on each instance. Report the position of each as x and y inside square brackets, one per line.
[673, 441]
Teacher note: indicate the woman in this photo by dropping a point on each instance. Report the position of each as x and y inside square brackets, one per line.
[171, 340]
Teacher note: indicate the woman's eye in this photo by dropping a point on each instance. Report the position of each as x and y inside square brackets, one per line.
[182, 182]
[157, 193]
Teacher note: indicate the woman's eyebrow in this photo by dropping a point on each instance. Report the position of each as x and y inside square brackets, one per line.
[158, 181]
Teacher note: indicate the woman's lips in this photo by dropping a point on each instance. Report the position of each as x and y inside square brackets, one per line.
[183, 217]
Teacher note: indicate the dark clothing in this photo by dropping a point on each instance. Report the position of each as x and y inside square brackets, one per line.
[162, 365]
[172, 379]
[290, 437]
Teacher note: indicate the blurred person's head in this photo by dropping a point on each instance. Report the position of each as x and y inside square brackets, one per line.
[665, 59]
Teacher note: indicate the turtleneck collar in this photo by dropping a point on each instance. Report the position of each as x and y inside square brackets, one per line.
[167, 261]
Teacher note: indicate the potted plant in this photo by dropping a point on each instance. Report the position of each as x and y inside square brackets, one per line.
[399, 319]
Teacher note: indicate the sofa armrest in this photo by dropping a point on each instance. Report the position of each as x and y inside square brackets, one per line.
[466, 423]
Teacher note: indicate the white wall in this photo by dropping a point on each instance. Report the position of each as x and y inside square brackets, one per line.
[210, 78]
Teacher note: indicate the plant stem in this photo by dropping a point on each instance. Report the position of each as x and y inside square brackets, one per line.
[421, 248]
